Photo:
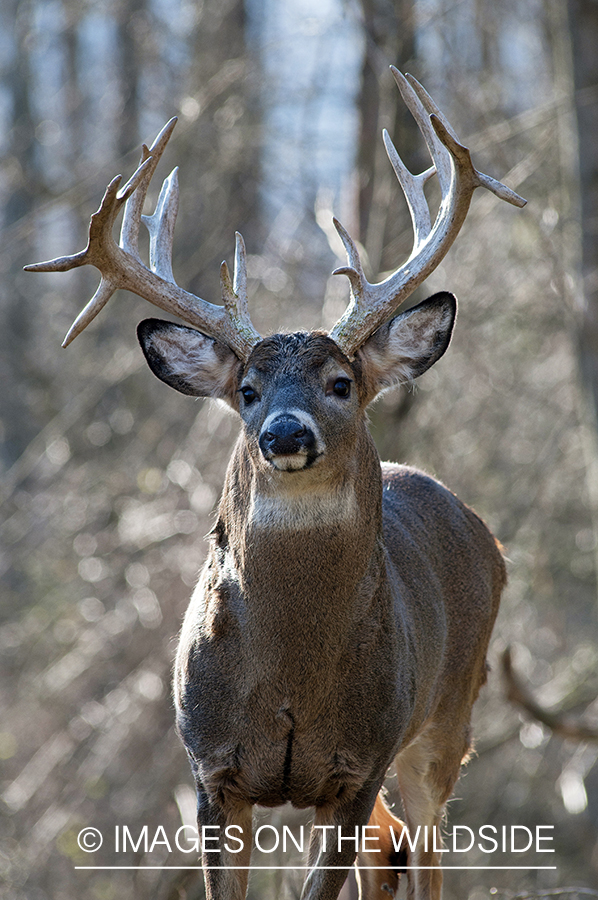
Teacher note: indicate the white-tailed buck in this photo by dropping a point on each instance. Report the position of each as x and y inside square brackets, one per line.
[343, 615]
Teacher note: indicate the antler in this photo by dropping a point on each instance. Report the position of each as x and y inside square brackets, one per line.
[371, 304]
[120, 264]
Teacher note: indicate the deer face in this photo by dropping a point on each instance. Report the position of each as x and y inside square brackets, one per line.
[302, 401]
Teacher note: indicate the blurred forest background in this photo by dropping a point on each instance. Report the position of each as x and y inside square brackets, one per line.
[110, 479]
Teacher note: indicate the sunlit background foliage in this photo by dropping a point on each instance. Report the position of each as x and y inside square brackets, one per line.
[110, 479]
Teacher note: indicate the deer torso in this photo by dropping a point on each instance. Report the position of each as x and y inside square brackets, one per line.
[303, 665]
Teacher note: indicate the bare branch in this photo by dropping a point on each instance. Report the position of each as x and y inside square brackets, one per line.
[558, 722]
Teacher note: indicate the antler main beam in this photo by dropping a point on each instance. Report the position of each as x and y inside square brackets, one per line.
[121, 266]
[372, 304]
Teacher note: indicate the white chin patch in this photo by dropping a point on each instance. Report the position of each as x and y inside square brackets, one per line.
[290, 463]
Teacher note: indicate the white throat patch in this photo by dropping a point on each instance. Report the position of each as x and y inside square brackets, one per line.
[302, 511]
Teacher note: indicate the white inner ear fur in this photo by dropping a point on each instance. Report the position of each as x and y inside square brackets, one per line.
[408, 345]
[192, 357]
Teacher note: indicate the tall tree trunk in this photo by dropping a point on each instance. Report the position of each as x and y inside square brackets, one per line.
[389, 34]
[130, 35]
[18, 428]
[583, 18]
[389, 30]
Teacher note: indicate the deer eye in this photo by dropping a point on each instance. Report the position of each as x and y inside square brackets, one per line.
[342, 387]
[249, 395]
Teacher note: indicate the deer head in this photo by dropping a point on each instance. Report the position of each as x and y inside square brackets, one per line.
[300, 397]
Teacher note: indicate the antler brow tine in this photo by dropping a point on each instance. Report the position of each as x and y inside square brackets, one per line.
[371, 304]
[120, 265]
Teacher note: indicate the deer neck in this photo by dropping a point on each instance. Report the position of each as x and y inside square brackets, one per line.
[293, 534]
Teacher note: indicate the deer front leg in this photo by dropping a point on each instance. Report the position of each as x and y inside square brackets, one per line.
[335, 839]
[226, 842]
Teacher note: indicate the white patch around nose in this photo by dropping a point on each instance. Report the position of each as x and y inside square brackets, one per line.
[304, 419]
[289, 462]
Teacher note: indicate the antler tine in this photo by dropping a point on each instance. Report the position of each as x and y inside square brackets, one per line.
[421, 113]
[97, 303]
[121, 267]
[427, 102]
[371, 304]
[100, 230]
[234, 294]
[129, 234]
[413, 189]
[446, 133]
[161, 227]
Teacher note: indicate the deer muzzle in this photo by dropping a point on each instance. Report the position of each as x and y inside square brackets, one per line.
[288, 444]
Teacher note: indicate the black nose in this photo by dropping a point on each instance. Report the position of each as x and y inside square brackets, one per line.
[286, 435]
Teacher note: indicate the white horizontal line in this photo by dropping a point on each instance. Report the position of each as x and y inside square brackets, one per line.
[310, 868]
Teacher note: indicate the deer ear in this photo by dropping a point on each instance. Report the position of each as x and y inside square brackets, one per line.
[410, 343]
[189, 361]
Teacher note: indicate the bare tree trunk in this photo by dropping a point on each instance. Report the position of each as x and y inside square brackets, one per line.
[389, 30]
[583, 19]
[130, 37]
[74, 104]
[23, 188]
[389, 34]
